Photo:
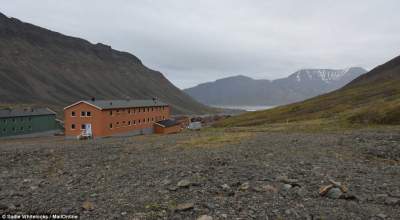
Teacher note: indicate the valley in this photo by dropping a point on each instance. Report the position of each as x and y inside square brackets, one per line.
[116, 140]
[371, 99]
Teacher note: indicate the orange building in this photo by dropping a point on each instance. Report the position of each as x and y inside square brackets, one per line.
[167, 126]
[101, 118]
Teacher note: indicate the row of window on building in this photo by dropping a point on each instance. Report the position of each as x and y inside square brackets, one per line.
[83, 114]
[127, 123]
[119, 111]
[135, 122]
[14, 120]
[137, 110]
[14, 129]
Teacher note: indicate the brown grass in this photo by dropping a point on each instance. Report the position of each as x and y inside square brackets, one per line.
[215, 138]
[375, 104]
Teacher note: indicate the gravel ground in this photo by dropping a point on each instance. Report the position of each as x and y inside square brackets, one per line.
[259, 175]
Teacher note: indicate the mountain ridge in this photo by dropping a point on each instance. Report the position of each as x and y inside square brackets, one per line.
[40, 66]
[243, 90]
[327, 75]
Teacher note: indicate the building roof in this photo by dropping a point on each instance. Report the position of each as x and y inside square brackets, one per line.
[113, 104]
[167, 123]
[10, 113]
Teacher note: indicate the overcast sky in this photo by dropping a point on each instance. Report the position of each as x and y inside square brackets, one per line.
[197, 41]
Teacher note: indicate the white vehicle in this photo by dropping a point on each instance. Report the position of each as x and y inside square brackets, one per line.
[195, 125]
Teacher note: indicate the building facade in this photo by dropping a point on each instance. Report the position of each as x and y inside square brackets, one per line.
[14, 122]
[167, 126]
[102, 118]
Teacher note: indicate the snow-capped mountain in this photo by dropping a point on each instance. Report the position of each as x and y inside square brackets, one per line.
[303, 84]
[326, 75]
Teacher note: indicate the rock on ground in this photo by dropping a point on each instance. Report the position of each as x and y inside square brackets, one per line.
[169, 177]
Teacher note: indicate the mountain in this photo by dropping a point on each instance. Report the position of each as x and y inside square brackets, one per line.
[303, 84]
[373, 98]
[309, 83]
[239, 90]
[42, 67]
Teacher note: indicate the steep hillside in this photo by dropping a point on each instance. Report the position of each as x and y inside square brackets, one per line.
[303, 84]
[373, 98]
[41, 67]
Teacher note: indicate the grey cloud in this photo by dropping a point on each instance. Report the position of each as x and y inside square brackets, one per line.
[197, 41]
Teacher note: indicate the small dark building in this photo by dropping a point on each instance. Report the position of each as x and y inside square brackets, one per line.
[167, 127]
[26, 121]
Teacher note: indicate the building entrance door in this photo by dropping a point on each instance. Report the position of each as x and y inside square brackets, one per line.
[88, 130]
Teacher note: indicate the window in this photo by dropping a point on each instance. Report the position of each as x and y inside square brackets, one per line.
[88, 114]
[148, 109]
[117, 123]
[134, 122]
[72, 126]
[83, 114]
[139, 121]
[148, 120]
[73, 114]
[13, 129]
[13, 120]
[110, 112]
[129, 123]
[5, 121]
[22, 119]
[83, 127]
[129, 111]
[29, 119]
[21, 128]
[4, 130]
[152, 109]
[29, 127]
[111, 125]
[117, 111]
[144, 120]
